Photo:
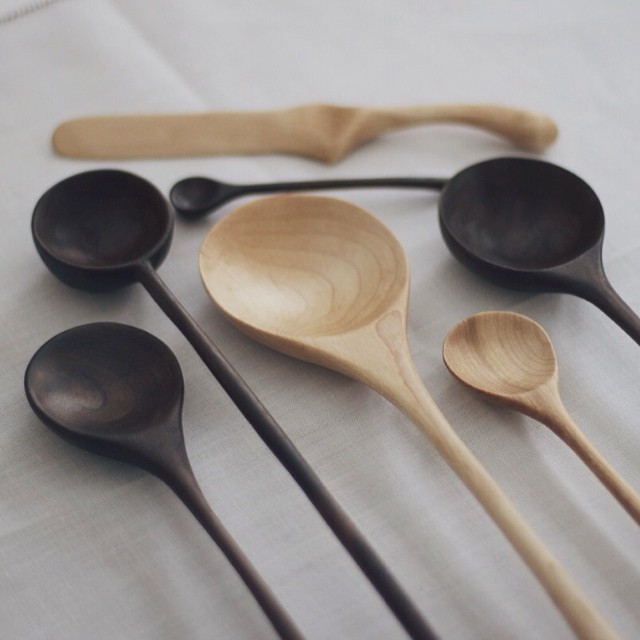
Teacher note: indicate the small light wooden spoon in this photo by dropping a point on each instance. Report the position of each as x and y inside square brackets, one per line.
[509, 359]
[324, 132]
[324, 281]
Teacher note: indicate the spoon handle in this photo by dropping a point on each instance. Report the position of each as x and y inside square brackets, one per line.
[191, 207]
[281, 446]
[586, 278]
[324, 132]
[551, 412]
[394, 376]
[182, 481]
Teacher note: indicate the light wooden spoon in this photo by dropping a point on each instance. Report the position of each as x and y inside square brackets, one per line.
[509, 359]
[324, 132]
[322, 280]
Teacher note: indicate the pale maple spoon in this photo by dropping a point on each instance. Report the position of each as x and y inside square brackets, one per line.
[324, 281]
[323, 132]
[509, 359]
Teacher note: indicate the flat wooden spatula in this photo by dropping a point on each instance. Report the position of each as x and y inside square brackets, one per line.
[324, 132]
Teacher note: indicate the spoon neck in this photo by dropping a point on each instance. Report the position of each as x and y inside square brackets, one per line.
[588, 280]
[544, 405]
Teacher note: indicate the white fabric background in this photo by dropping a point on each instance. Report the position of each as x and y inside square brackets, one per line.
[93, 549]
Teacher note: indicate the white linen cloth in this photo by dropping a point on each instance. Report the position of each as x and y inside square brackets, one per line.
[90, 548]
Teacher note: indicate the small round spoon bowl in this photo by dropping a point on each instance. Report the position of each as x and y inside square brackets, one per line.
[509, 359]
[531, 225]
[118, 391]
[324, 281]
[198, 196]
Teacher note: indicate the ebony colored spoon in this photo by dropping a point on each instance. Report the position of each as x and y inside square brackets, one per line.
[105, 229]
[118, 391]
[531, 225]
[195, 197]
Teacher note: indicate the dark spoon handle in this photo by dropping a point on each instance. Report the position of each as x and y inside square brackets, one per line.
[347, 183]
[585, 277]
[185, 205]
[608, 300]
[183, 483]
[281, 446]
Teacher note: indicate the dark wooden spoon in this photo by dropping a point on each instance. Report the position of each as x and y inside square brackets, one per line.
[118, 391]
[534, 226]
[105, 229]
[197, 196]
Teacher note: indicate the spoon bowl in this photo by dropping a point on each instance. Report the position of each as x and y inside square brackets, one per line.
[324, 281]
[110, 389]
[93, 229]
[509, 359]
[118, 391]
[530, 225]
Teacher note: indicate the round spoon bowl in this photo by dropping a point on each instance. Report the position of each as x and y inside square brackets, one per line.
[94, 228]
[301, 267]
[500, 353]
[511, 219]
[103, 381]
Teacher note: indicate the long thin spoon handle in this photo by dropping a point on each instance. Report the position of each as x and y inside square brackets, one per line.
[197, 196]
[395, 377]
[281, 446]
[552, 413]
[182, 481]
[323, 132]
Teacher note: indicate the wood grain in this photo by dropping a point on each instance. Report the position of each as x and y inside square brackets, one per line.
[324, 281]
[323, 132]
[510, 360]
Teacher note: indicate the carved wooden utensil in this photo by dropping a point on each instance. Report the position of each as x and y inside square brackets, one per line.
[197, 196]
[106, 229]
[323, 132]
[509, 359]
[322, 280]
[118, 391]
[531, 225]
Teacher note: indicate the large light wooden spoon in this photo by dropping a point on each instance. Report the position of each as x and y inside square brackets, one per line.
[510, 360]
[324, 132]
[324, 281]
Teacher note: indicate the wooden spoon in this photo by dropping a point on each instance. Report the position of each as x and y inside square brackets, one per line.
[509, 359]
[531, 225]
[323, 132]
[118, 391]
[197, 196]
[322, 280]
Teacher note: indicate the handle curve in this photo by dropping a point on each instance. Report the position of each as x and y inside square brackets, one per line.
[544, 405]
[183, 483]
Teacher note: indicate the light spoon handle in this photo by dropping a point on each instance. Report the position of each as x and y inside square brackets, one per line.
[323, 132]
[544, 404]
[379, 356]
